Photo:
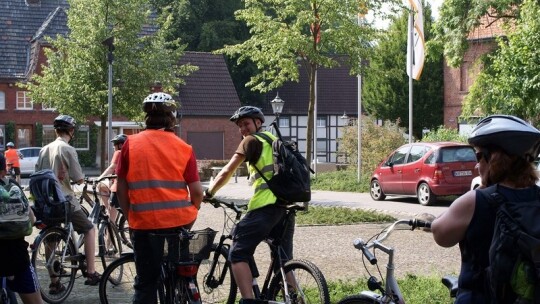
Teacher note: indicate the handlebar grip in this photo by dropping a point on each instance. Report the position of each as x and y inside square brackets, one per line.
[361, 245]
[416, 223]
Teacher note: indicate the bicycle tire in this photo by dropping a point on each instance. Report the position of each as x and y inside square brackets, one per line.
[123, 229]
[110, 247]
[358, 299]
[54, 240]
[214, 291]
[119, 291]
[310, 280]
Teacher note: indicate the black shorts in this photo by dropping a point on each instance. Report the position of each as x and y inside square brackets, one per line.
[255, 227]
[17, 170]
[113, 200]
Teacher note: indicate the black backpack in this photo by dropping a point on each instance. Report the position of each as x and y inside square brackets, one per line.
[513, 275]
[50, 204]
[290, 182]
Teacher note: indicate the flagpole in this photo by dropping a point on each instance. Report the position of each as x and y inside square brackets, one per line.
[410, 67]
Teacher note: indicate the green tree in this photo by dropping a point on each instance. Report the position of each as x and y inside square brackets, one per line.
[386, 84]
[458, 18]
[75, 81]
[287, 34]
[510, 83]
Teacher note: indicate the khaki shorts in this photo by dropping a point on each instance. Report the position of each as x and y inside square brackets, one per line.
[80, 222]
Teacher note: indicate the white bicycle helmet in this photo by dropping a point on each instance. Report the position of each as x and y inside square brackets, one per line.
[10, 144]
[164, 100]
[247, 111]
[509, 133]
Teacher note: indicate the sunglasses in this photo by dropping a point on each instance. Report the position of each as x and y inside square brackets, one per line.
[482, 154]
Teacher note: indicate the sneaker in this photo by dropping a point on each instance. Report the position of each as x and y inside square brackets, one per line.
[56, 288]
[92, 279]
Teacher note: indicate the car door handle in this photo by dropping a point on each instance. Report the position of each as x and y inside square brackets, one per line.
[398, 171]
[416, 170]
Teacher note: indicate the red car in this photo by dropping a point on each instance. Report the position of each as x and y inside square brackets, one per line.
[425, 170]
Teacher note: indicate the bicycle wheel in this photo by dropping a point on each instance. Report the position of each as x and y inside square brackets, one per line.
[358, 299]
[123, 229]
[310, 284]
[116, 285]
[218, 286]
[47, 260]
[110, 247]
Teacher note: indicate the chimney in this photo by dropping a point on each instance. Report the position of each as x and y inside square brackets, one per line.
[33, 2]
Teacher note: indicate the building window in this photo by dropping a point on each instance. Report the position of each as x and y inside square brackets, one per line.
[2, 137]
[23, 101]
[24, 136]
[464, 76]
[81, 141]
[284, 122]
[2, 100]
[46, 106]
[321, 122]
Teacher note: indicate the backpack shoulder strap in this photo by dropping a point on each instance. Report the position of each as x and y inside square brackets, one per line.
[493, 197]
[265, 137]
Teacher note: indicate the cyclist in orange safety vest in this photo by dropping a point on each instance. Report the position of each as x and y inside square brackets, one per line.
[158, 189]
[12, 160]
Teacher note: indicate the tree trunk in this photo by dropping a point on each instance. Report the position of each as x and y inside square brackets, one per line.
[311, 112]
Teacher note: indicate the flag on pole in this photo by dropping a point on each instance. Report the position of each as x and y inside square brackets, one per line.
[419, 44]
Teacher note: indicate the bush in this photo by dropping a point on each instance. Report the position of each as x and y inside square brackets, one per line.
[444, 134]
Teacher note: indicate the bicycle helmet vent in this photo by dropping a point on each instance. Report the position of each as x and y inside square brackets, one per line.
[10, 144]
[164, 100]
[119, 139]
[509, 133]
[247, 111]
[64, 122]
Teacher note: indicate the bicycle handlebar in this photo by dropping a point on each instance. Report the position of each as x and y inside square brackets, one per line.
[219, 203]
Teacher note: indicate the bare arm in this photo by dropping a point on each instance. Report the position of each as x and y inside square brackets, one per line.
[196, 193]
[122, 194]
[225, 174]
[449, 228]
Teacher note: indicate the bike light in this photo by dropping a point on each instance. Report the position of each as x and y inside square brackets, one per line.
[187, 270]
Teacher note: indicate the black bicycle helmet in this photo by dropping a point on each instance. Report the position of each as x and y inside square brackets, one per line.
[119, 139]
[509, 133]
[64, 122]
[247, 111]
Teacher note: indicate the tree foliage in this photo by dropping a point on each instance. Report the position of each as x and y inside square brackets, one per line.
[75, 80]
[458, 18]
[444, 134]
[386, 84]
[510, 83]
[287, 34]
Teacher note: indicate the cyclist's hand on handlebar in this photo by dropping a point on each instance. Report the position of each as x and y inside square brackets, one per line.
[425, 218]
[207, 195]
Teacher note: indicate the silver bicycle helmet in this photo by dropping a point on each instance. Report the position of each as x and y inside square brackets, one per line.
[119, 139]
[164, 100]
[509, 133]
[247, 111]
[64, 122]
[10, 144]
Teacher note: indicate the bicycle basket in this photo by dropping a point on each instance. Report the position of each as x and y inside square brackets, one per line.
[200, 245]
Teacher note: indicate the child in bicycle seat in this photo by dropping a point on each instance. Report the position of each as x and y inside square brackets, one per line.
[15, 261]
[107, 189]
[263, 216]
[158, 189]
[62, 159]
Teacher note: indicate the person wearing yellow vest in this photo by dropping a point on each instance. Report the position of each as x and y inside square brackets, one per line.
[158, 189]
[12, 160]
[263, 216]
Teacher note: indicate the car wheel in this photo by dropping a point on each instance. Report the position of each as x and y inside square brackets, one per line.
[425, 196]
[376, 191]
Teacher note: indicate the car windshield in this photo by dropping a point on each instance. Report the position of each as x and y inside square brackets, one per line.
[457, 154]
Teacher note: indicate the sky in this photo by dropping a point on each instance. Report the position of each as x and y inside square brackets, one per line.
[435, 4]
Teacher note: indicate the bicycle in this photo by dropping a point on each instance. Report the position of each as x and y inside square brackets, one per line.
[295, 281]
[6, 296]
[56, 254]
[390, 293]
[178, 275]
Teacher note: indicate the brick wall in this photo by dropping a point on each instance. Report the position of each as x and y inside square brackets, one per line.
[213, 124]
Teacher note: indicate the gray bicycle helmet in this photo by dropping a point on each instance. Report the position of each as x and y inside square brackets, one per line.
[64, 122]
[163, 100]
[119, 139]
[509, 133]
[10, 144]
[247, 111]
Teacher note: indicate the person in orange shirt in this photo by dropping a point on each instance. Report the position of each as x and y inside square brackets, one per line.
[12, 160]
[158, 189]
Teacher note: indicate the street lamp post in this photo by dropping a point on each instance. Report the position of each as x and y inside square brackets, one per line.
[277, 106]
[109, 42]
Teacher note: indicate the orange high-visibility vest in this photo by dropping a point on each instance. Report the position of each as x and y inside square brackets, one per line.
[157, 192]
[12, 157]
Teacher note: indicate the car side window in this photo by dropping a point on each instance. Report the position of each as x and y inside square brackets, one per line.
[399, 157]
[416, 153]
